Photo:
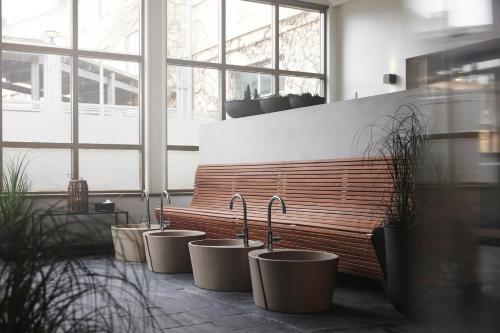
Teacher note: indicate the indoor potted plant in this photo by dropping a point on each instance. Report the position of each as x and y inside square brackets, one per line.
[274, 103]
[15, 207]
[402, 144]
[246, 107]
[305, 99]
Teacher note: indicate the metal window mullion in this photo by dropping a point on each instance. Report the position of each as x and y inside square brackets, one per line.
[276, 53]
[324, 42]
[222, 56]
[142, 97]
[75, 167]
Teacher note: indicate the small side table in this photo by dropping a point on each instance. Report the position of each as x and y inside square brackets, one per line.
[50, 213]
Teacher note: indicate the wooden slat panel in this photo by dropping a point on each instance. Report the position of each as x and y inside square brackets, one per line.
[333, 205]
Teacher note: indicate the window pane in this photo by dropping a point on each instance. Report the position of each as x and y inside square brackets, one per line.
[249, 33]
[300, 40]
[36, 97]
[192, 99]
[193, 30]
[45, 22]
[109, 25]
[47, 169]
[181, 166]
[300, 85]
[236, 83]
[108, 106]
[111, 169]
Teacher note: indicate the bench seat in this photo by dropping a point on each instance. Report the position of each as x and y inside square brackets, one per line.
[332, 205]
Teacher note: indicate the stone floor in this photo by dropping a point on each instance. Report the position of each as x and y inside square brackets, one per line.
[179, 306]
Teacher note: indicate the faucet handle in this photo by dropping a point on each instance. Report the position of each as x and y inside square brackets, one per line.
[276, 237]
[239, 236]
[166, 223]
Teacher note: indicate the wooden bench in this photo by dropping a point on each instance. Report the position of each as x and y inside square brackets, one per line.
[332, 205]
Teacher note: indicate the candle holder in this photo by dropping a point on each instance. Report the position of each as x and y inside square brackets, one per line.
[78, 196]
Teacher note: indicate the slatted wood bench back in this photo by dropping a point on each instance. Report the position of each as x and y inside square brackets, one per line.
[332, 205]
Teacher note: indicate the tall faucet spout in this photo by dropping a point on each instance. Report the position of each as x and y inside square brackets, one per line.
[145, 194]
[270, 237]
[243, 235]
[164, 195]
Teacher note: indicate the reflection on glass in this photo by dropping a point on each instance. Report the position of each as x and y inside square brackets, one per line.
[109, 25]
[35, 97]
[31, 22]
[108, 106]
[111, 169]
[300, 85]
[236, 83]
[249, 33]
[192, 98]
[47, 169]
[193, 30]
[300, 40]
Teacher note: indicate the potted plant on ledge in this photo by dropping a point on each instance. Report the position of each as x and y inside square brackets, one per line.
[402, 145]
[305, 99]
[274, 103]
[246, 107]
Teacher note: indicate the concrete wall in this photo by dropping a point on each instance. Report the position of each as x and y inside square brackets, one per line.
[339, 130]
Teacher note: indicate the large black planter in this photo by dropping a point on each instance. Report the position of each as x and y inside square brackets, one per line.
[243, 108]
[396, 261]
[7, 246]
[303, 101]
[378, 242]
[274, 104]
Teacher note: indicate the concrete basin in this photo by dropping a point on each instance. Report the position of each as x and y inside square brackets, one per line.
[127, 241]
[222, 264]
[168, 252]
[293, 281]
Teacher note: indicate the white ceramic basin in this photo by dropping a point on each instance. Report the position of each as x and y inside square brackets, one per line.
[168, 251]
[127, 241]
[294, 281]
[222, 264]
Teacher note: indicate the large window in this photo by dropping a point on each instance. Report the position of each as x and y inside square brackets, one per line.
[215, 48]
[72, 96]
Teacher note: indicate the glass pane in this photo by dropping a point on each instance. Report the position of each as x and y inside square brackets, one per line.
[36, 97]
[109, 25]
[249, 33]
[181, 166]
[31, 22]
[300, 40]
[193, 30]
[192, 99]
[108, 106]
[236, 83]
[111, 169]
[300, 85]
[47, 169]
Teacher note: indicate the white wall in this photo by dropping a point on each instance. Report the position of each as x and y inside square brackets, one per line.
[375, 37]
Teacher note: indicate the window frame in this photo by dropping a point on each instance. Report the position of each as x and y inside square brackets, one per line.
[74, 53]
[274, 70]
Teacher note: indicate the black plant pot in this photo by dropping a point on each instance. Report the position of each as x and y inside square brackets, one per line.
[378, 242]
[7, 246]
[318, 100]
[274, 104]
[303, 101]
[396, 260]
[243, 108]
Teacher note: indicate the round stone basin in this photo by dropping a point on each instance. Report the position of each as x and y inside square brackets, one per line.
[222, 264]
[168, 252]
[293, 281]
[127, 241]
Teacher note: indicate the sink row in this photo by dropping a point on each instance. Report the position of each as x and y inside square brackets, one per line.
[285, 280]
